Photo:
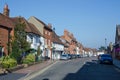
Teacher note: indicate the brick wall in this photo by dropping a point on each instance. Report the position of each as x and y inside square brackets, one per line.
[72, 44]
[4, 34]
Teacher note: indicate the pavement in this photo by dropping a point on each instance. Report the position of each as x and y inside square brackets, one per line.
[35, 70]
[116, 62]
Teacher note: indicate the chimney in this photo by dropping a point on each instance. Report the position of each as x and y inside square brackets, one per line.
[6, 10]
[65, 32]
[50, 25]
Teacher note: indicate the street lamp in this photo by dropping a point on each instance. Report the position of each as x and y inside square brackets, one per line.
[105, 43]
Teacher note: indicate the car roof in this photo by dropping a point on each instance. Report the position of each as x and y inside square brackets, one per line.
[106, 54]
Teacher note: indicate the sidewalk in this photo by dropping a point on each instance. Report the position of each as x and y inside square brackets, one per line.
[30, 71]
[116, 63]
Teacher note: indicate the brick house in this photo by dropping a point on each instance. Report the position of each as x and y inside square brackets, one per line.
[66, 44]
[48, 40]
[71, 40]
[6, 31]
[7, 25]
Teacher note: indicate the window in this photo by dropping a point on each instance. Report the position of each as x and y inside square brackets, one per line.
[49, 34]
[32, 39]
[45, 32]
[45, 41]
[49, 42]
[37, 40]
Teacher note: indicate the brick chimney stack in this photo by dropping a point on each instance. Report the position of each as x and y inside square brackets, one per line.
[50, 25]
[66, 32]
[6, 10]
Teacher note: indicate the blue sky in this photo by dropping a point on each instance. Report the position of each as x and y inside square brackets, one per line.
[91, 21]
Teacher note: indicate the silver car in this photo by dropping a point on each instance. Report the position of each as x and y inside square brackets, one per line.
[64, 57]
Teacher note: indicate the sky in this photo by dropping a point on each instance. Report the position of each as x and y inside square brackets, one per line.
[90, 21]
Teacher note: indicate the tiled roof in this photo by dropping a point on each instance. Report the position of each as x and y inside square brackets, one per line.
[29, 27]
[34, 29]
[6, 21]
[65, 42]
[56, 39]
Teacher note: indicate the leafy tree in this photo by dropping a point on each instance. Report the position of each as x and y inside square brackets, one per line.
[102, 48]
[38, 51]
[19, 43]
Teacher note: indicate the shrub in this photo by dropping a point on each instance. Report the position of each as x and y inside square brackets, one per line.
[30, 58]
[8, 62]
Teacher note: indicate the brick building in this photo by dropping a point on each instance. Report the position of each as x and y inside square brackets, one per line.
[6, 31]
[71, 40]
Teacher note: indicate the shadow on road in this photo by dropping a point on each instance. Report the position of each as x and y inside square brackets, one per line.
[94, 71]
[12, 76]
[46, 79]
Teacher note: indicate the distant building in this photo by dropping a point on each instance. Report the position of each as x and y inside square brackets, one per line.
[57, 46]
[71, 40]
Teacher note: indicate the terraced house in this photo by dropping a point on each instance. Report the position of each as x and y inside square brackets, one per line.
[34, 37]
[39, 35]
[6, 31]
[72, 42]
[57, 46]
[45, 30]
[7, 25]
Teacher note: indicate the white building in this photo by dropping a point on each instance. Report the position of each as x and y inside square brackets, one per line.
[57, 47]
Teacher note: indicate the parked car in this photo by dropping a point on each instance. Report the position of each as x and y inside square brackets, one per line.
[74, 56]
[105, 58]
[64, 57]
[78, 56]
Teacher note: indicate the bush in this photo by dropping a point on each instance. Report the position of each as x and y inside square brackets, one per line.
[8, 62]
[30, 58]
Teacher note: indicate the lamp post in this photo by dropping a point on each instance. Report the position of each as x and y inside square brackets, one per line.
[105, 44]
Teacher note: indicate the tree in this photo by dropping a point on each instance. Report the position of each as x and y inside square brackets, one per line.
[19, 43]
[102, 48]
[38, 51]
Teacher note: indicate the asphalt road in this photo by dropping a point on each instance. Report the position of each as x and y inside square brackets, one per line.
[80, 69]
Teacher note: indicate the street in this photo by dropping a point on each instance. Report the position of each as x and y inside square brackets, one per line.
[75, 69]
[80, 69]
